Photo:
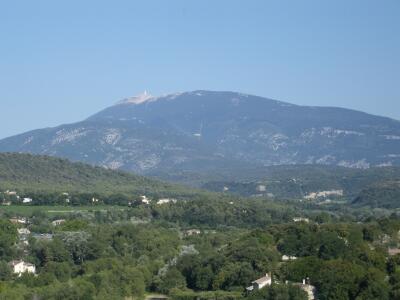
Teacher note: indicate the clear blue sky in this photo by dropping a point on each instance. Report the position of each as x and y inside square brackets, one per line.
[61, 61]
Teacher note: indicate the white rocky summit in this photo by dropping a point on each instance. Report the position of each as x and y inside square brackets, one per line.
[141, 98]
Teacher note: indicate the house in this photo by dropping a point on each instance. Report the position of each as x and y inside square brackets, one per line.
[299, 219]
[308, 288]
[58, 222]
[260, 283]
[11, 193]
[288, 258]
[261, 188]
[145, 200]
[393, 251]
[24, 231]
[191, 232]
[27, 200]
[18, 220]
[19, 267]
[165, 201]
[6, 203]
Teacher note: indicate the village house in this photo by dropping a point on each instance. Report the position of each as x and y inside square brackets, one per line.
[288, 258]
[145, 200]
[27, 200]
[19, 267]
[191, 232]
[18, 220]
[299, 219]
[58, 222]
[393, 251]
[10, 193]
[260, 283]
[165, 201]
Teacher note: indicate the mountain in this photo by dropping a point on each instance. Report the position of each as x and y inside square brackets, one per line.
[203, 131]
[33, 173]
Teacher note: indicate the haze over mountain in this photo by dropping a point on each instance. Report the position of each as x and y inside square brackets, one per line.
[206, 130]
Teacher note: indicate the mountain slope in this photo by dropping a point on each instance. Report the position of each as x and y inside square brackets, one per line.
[204, 131]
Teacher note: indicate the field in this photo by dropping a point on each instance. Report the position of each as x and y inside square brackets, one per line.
[26, 210]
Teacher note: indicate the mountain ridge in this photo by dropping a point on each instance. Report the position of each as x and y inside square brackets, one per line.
[205, 129]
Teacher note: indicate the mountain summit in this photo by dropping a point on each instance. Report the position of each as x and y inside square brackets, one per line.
[137, 99]
[206, 130]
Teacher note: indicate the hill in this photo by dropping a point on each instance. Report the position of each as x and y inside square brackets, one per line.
[204, 131]
[380, 195]
[25, 172]
[311, 182]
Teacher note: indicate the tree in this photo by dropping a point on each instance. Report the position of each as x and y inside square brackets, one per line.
[172, 279]
[8, 237]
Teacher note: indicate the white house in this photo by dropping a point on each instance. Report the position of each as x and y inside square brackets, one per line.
[191, 232]
[27, 200]
[165, 201]
[288, 257]
[19, 267]
[58, 222]
[145, 200]
[260, 283]
[299, 219]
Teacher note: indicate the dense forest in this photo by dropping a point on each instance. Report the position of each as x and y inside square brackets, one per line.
[185, 252]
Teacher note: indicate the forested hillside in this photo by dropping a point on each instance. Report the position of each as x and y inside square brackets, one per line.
[293, 181]
[25, 172]
[385, 195]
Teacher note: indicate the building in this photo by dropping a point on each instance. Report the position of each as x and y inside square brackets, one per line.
[10, 193]
[288, 258]
[260, 283]
[19, 267]
[393, 251]
[27, 200]
[165, 201]
[18, 220]
[261, 188]
[145, 200]
[58, 222]
[192, 232]
[299, 219]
